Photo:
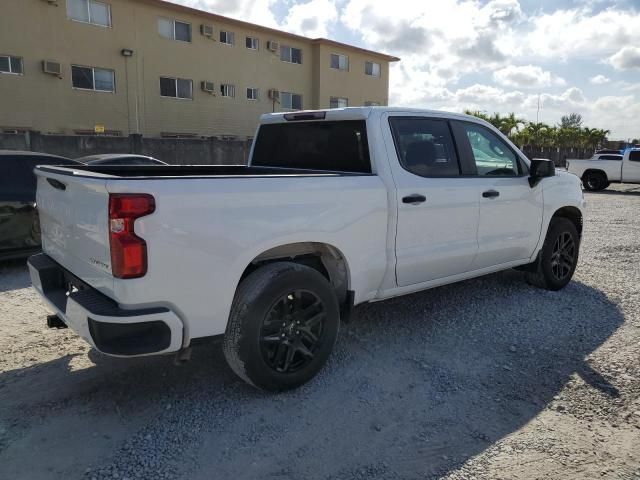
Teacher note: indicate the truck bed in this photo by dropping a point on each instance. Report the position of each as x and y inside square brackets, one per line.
[181, 171]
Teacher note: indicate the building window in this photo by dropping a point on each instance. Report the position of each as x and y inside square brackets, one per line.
[89, 78]
[176, 87]
[291, 100]
[339, 62]
[252, 93]
[92, 133]
[227, 38]
[252, 43]
[174, 29]
[10, 64]
[338, 102]
[89, 11]
[290, 54]
[372, 69]
[369, 103]
[227, 90]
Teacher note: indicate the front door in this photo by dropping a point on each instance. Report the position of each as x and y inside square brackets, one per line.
[437, 211]
[510, 209]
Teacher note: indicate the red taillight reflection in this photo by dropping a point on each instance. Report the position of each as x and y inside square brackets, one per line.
[128, 251]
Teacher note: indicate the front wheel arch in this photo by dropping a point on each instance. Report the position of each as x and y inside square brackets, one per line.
[573, 214]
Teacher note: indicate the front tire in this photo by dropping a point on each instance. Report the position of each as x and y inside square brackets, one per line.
[558, 257]
[282, 327]
[595, 181]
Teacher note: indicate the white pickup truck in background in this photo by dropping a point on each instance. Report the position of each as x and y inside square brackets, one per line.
[599, 171]
[335, 208]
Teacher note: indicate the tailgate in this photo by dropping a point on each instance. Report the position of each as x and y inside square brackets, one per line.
[74, 221]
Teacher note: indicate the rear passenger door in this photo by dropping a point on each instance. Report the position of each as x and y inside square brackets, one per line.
[437, 212]
[510, 210]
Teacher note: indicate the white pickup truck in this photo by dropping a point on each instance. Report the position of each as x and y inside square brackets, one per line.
[599, 171]
[335, 208]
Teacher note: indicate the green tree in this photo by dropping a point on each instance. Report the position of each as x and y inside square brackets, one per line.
[573, 120]
[510, 125]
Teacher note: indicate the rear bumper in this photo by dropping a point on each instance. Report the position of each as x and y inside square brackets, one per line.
[101, 321]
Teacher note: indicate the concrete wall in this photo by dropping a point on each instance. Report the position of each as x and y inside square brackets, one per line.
[179, 151]
[36, 30]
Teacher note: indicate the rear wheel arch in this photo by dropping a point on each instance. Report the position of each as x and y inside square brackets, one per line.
[322, 257]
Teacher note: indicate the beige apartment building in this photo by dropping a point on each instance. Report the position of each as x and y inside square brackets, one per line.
[118, 67]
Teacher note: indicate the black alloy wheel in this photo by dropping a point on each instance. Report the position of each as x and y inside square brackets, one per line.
[563, 256]
[594, 181]
[292, 331]
[282, 327]
[558, 258]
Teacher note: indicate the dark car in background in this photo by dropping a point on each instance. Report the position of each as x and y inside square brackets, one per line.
[120, 159]
[19, 224]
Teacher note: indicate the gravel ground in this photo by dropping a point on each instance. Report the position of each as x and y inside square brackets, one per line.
[489, 378]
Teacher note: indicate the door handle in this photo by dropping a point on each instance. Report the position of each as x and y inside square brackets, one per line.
[491, 194]
[414, 199]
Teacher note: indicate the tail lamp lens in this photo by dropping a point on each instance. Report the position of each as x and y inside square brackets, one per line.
[128, 251]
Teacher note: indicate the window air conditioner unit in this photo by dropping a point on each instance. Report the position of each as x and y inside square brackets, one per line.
[274, 94]
[273, 46]
[52, 67]
[206, 30]
[207, 86]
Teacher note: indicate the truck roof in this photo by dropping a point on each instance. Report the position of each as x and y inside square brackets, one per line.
[358, 113]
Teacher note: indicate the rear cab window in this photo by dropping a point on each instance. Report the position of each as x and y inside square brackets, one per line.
[339, 146]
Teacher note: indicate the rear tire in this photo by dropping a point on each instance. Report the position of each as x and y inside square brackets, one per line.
[558, 257]
[595, 181]
[282, 327]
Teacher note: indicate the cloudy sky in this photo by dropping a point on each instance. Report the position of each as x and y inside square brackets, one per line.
[495, 56]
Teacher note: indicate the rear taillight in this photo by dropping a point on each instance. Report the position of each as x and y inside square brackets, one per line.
[128, 251]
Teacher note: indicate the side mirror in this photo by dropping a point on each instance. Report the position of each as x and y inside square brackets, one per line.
[540, 168]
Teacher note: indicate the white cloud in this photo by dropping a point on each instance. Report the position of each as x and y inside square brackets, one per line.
[599, 80]
[487, 95]
[626, 58]
[525, 76]
[580, 31]
[311, 18]
[255, 11]
[447, 33]
[572, 98]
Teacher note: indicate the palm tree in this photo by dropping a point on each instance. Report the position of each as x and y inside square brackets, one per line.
[510, 123]
[536, 130]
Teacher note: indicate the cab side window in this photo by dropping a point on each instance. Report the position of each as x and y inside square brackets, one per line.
[634, 156]
[492, 156]
[425, 146]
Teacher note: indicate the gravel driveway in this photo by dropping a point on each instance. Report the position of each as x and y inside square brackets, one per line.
[489, 378]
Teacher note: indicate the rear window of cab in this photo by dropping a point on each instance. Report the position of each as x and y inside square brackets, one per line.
[327, 145]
